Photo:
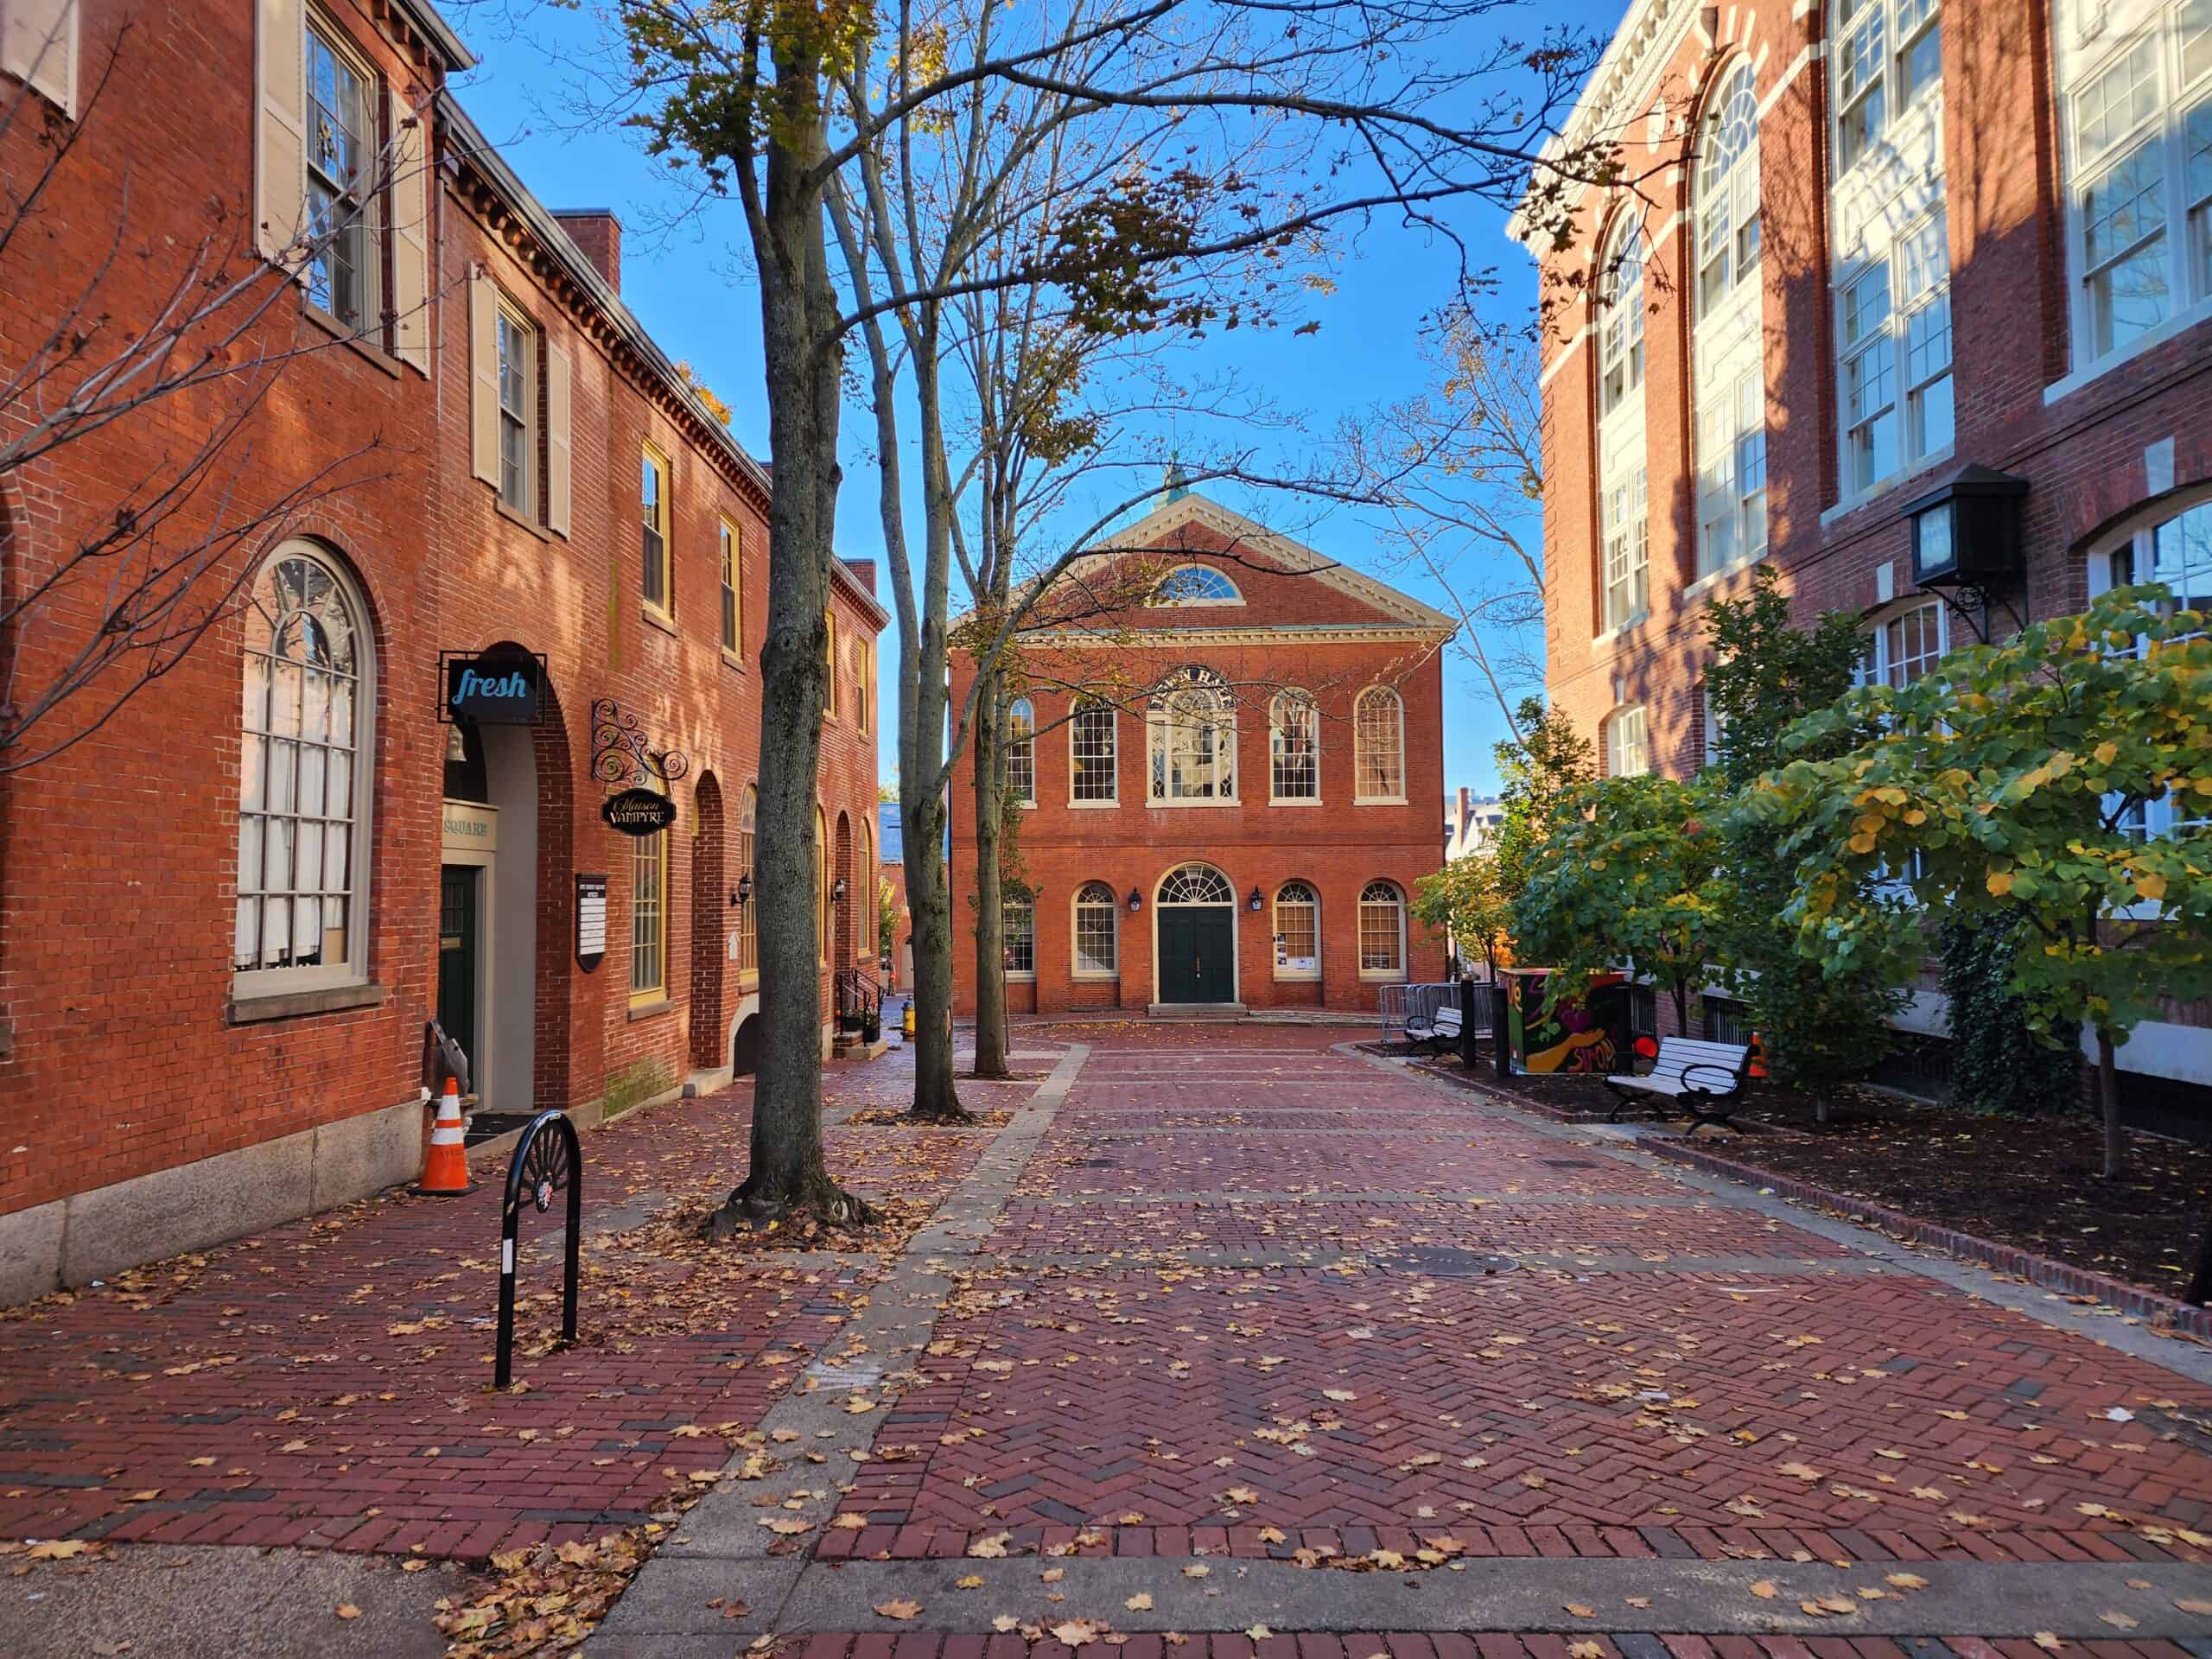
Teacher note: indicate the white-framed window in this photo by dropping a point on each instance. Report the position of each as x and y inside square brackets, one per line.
[1293, 747]
[1714, 725]
[2172, 545]
[1298, 931]
[1191, 729]
[1728, 192]
[1620, 331]
[1628, 742]
[1017, 932]
[1094, 764]
[1097, 917]
[306, 746]
[1381, 930]
[1378, 734]
[1196, 584]
[342, 144]
[516, 341]
[1896, 360]
[1904, 645]
[1019, 754]
[1195, 883]
[659, 587]
[1732, 471]
[2135, 80]
[1888, 54]
[1627, 534]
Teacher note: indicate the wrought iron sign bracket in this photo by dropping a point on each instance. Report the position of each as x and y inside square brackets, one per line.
[620, 754]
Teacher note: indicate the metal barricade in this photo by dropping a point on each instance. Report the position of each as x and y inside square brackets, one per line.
[547, 1159]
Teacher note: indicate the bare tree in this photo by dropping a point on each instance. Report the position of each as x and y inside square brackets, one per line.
[1402, 107]
[140, 576]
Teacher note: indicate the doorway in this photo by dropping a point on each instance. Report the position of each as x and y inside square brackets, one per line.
[1196, 936]
[459, 962]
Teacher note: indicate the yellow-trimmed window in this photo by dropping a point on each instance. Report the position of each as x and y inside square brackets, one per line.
[649, 917]
[731, 636]
[657, 557]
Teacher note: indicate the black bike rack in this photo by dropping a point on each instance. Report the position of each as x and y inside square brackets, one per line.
[548, 1159]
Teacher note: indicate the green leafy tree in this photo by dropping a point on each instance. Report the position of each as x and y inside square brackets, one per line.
[1997, 1063]
[1632, 879]
[1820, 1019]
[1463, 899]
[2017, 780]
[1541, 774]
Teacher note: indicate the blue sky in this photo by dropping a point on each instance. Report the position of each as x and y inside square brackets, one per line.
[690, 288]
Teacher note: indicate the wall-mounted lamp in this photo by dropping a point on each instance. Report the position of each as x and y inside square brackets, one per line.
[743, 896]
[1255, 901]
[837, 888]
[1136, 901]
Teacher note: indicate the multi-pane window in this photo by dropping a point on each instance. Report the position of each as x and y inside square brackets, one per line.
[1382, 929]
[1018, 928]
[2137, 110]
[518, 348]
[1378, 745]
[1298, 931]
[1628, 743]
[1095, 919]
[1728, 192]
[1294, 748]
[1732, 472]
[1620, 340]
[342, 266]
[729, 545]
[1091, 753]
[1870, 369]
[1901, 650]
[1020, 753]
[1888, 54]
[1627, 531]
[1192, 734]
[1196, 584]
[301, 791]
[748, 922]
[652, 512]
[828, 662]
[1896, 338]
[649, 917]
[2177, 551]
[1924, 254]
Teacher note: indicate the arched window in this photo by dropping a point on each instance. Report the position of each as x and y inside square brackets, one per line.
[1624, 529]
[1018, 928]
[1195, 883]
[1191, 729]
[1379, 745]
[1093, 757]
[1628, 743]
[825, 920]
[1729, 359]
[306, 746]
[865, 877]
[748, 922]
[1019, 754]
[1904, 646]
[1728, 191]
[1381, 930]
[1298, 931]
[1294, 748]
[649, 913]
[1196, 584]
[1096, 916]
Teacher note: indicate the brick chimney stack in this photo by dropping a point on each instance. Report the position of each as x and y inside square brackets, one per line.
[599, 233]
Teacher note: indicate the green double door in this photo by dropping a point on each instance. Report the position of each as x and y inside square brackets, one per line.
[1197, 953]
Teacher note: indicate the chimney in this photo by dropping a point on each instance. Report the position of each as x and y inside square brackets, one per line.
[864, 571]
[599, 233]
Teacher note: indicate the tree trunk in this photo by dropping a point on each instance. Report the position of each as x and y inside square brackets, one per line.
[2108, 1105]
[991, 888]
[789, 1174]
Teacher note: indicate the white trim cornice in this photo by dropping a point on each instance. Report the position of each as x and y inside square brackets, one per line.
[1316, 633]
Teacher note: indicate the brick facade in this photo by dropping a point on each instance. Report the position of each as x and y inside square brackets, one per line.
[1295, 623]
[1975, 151]
[132, 1052]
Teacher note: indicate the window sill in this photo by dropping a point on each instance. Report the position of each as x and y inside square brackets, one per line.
[288, 1005]
[1013, 978]
[1093, 975]
[499, 505]
[1093, 806]
[749, 979]
[1026, 806]
[1378, 800]
[1706, 583]
[731, 659]
[1613, 635]
[658, 617]
[652, 1009]
[1383, 975]
[1163, 805]
[2172, 328]
[1295, 800]
[1297, 979]
[1884, 486]
[345, 336]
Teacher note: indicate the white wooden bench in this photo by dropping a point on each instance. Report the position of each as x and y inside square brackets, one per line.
[1695, 1076]
[1435, 1029]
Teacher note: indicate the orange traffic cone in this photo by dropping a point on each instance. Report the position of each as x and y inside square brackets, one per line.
[445, 1173]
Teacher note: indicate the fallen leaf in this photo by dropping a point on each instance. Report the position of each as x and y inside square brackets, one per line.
[1076, 1632]
[2048, 1641]
[2118, 1621]
[1140, 1603]
[1258, 1632]
[2194, 1604]
[1004, 1622]
[347, 1610]
[1579, 1611]
[1764, 1590]
[1585, 1651]
[1338, 1394]
[973, 1581]
[58, 1549]
[849, 1523]
[1196, 1570]
[898, 1608]
[1904, 1580]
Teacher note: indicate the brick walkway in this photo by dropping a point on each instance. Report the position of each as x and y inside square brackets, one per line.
[1219, 1314]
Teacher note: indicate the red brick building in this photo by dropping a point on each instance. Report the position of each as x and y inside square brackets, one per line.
[225, 919]
[1228, 804]
[1877, 243]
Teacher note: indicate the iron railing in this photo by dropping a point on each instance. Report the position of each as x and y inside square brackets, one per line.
[859, 1000]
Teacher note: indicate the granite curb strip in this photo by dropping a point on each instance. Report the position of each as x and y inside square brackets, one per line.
[1998, 1599]
[2047, 1271]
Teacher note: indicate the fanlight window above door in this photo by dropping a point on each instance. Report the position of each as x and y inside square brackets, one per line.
[1196, 884]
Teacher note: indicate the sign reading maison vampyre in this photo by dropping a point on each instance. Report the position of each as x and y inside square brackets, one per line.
[497, 689]
[639, 812]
